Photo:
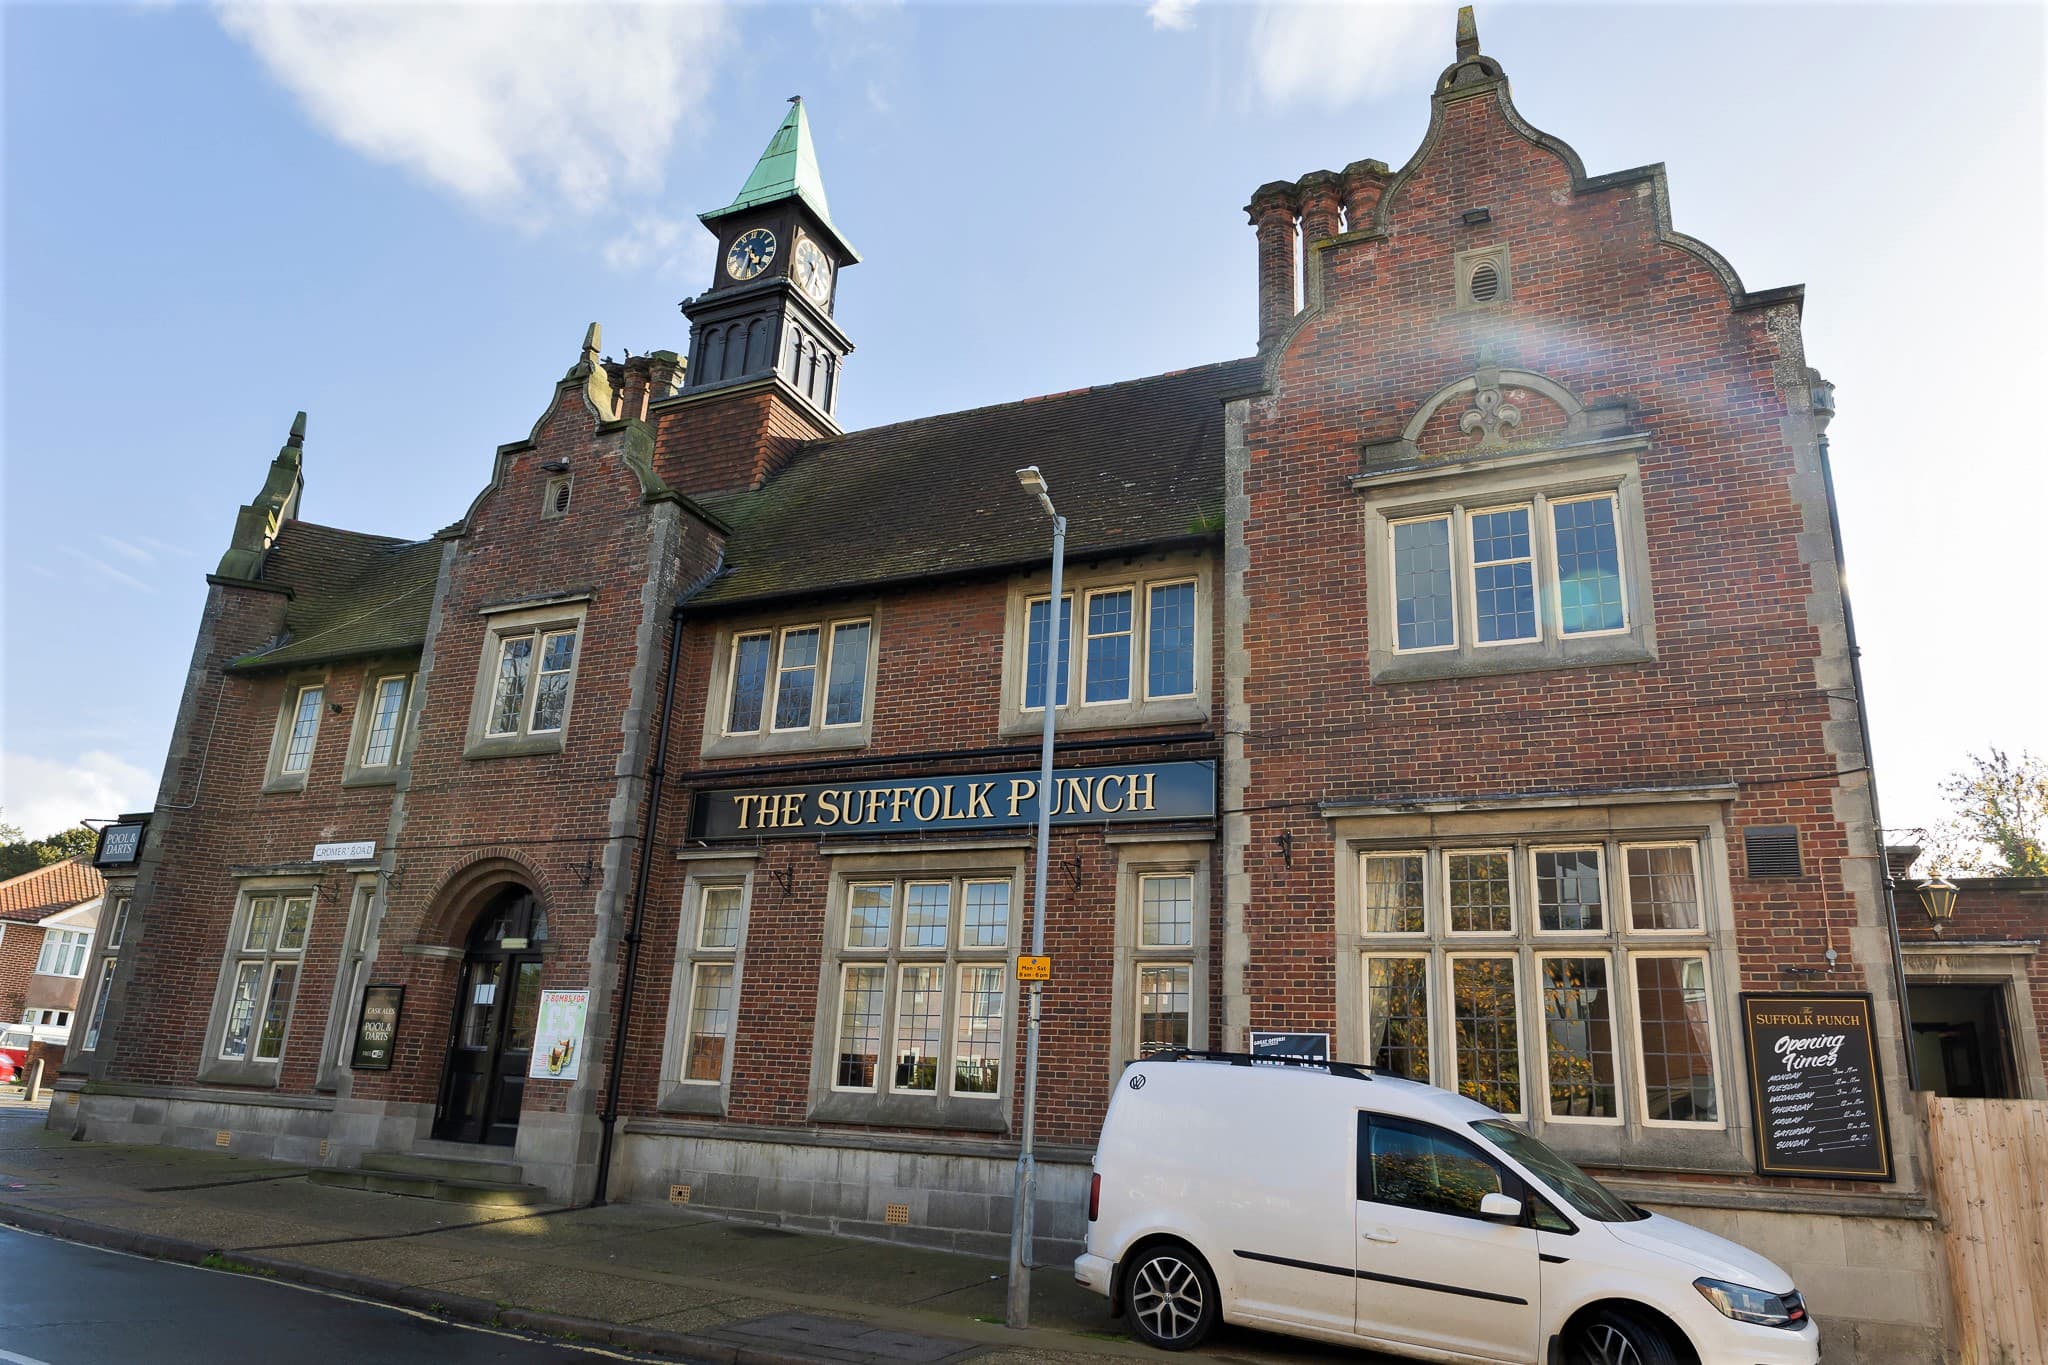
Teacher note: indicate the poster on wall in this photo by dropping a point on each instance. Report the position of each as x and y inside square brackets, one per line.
[1815, 1092]
[558, 1036]
[376, 1028]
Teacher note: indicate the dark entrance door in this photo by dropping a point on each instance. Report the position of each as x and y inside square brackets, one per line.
[496, 1008]
[1963, 1043]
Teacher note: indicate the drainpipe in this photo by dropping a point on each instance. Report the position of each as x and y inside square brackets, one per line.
[656, 774]
[1891, 909]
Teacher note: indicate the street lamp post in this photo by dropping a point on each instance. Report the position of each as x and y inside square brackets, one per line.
[1021, 1215]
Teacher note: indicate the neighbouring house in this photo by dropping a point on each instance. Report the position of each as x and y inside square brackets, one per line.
[1460, 682]
[47, 920]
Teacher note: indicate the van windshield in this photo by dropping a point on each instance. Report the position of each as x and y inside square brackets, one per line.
[1580, 1190]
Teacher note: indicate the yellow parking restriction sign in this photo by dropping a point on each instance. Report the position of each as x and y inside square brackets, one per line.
[1034, 969]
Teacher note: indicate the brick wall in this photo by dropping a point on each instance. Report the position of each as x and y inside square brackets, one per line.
[20, 945]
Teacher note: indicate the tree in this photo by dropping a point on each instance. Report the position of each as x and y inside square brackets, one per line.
[1999, 825]
[19, 854]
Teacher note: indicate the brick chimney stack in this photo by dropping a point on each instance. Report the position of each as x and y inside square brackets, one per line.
[1272, 212]
[1321, 219]
[1364, 183]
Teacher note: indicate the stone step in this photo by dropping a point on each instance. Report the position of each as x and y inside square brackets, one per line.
[444, 1167]
[482, 1193]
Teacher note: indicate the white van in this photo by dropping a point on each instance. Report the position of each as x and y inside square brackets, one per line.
[1325, 1201]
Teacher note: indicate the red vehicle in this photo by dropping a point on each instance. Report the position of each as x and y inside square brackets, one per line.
[14, 1045]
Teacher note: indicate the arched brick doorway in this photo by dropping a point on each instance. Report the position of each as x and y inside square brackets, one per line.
[497, 1003]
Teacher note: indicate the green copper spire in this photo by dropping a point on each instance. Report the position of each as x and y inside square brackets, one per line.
[787, 169]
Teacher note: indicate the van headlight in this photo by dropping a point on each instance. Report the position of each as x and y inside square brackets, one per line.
[1744, 1304]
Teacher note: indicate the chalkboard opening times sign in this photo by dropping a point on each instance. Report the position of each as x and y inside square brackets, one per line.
[1815, 1090]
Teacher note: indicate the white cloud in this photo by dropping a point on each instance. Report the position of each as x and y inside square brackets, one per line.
[1342, 51]
[108, 571]
[668, 248]
[513, 107]
[43, 795]
[1173, 14]
[122, 547]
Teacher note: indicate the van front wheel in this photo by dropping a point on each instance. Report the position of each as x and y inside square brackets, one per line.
[1170, 1297]
[1612, 1338]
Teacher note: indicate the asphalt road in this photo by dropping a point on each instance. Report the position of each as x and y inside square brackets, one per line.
[62, 1304]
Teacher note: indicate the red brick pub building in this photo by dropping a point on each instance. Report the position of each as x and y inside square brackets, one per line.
[1461, 683]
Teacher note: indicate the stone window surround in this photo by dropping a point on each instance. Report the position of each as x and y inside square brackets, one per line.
[720, 868]
[119, 900]
[531, 617]
[215, 1069]
[815, 737]
[366, 905]
[1078, 581]
[1141, 855]
[1458, 487]
[2000, 964]
[275, 778]
[354, 772]
[980, 859]
[1697, 816]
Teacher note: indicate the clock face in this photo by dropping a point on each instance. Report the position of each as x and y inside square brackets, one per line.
[750, 254]
[813, 271]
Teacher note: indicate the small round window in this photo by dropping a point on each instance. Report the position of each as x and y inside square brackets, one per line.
[1485, 282]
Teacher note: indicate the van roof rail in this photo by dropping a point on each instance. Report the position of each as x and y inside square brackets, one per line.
[1357, 1071]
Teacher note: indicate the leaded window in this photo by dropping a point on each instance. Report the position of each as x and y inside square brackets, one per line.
[1424, 616]
[530, 690]
[298, 746]
[1588, 560]
[1138, 644]
[263, 974]
[922, 990]
[807, 677]
[710, 971]
[1503, 576]
[1500, 971]
[387, 720]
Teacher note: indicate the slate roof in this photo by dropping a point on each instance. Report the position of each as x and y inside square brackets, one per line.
[45, 891]
[1130, 465]
[353, 595]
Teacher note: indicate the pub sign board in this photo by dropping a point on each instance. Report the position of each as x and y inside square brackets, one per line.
[120, 844]
[376, 1028]
[1081, 796]
[1816, 1096]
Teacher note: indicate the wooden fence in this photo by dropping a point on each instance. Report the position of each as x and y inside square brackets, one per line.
[1991, 1176]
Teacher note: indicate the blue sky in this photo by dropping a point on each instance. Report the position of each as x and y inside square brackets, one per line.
[401, 218]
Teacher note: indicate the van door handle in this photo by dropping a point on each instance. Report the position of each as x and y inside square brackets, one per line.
[1379, 1235]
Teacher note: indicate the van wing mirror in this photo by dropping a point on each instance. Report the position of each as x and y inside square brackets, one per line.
[1500, 1208]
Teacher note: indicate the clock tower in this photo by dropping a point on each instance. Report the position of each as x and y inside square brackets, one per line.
[768, 312]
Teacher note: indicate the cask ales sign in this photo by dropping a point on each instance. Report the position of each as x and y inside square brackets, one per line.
[376, 1028]
[1815, 1092]
[1081, 796]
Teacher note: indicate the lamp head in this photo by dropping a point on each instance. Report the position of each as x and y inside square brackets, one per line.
[1034, 482]
[1938, 899]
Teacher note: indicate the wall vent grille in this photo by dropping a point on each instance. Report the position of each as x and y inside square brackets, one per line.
[1771, 851]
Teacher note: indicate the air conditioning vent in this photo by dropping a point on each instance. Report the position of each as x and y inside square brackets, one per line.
[1771, 851]
[1485, 283]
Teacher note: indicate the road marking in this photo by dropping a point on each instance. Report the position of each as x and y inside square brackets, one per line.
[12, 1359]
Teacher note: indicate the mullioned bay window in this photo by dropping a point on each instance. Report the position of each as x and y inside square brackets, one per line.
[1580, 980]
[916, 1001]
[1129, 645]
[804, 682]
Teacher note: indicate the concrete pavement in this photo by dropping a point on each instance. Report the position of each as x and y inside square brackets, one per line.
[643, 1278]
